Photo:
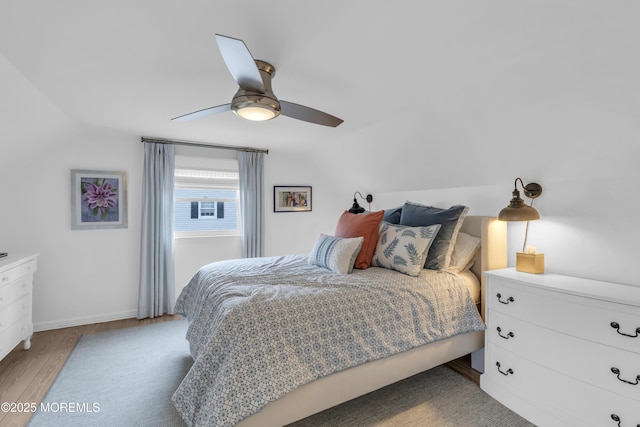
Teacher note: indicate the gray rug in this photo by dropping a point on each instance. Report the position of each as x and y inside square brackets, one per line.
[126, 378]
[120, 378]
[436, 398]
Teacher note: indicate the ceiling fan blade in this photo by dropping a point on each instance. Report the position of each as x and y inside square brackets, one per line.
[307, 114]
[203, 113]
[240, 63]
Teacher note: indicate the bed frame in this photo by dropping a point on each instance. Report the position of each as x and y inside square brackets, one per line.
[342, 386]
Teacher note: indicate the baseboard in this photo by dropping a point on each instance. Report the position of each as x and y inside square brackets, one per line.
[79, 321]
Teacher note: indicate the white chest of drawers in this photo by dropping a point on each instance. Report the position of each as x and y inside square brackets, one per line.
[563, 351]
[16, 282]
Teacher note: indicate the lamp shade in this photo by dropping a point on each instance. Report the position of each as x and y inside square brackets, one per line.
[525, 213]
[356, 208]
[518, 210]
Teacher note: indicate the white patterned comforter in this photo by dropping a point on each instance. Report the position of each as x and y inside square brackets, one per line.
[261, 327]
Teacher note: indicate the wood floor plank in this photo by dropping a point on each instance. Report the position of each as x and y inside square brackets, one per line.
[463, 367]
[26, 376]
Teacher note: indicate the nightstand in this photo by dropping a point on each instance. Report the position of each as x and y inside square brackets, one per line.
[16, 281]
[563, 351]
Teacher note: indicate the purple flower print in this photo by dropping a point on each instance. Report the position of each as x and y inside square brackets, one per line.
[99, 196]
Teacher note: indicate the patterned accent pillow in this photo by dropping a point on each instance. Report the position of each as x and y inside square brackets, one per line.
[403, 248]
[336, 253]
[414, 214]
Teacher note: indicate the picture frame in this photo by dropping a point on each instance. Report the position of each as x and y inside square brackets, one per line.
[98, 199]
[289, 198]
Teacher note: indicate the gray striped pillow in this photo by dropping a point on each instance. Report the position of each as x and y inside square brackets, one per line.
[338, 254]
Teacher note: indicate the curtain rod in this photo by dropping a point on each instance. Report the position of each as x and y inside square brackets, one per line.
[198, 144]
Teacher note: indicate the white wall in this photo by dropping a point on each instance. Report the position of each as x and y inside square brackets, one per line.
[296, 232]
[83, 276]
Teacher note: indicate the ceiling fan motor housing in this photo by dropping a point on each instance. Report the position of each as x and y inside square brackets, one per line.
[253, 101]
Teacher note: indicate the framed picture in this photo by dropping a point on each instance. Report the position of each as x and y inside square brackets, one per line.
[291, 199]
[98, 199]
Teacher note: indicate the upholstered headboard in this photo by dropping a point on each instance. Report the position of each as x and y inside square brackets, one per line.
[493, 252]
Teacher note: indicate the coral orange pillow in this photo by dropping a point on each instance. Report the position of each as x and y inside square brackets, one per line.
[361, 225]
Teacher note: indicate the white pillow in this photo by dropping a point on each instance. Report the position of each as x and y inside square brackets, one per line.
[464, 252]
[403, 248]
[338, 254]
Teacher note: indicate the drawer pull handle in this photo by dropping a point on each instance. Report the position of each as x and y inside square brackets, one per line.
[510, 299]
[616, 326]
[616, 371]
[506, 337]
[505, 373]
[617, 419]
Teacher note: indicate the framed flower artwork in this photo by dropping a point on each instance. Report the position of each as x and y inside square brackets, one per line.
[98, 199]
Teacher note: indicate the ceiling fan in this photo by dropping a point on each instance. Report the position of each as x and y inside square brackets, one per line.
[255, 100]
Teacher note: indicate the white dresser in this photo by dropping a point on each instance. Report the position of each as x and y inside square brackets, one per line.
[16, 282]
[563, 351]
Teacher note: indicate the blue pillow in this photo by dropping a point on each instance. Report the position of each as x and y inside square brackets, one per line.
[392, 216]
[414, 214]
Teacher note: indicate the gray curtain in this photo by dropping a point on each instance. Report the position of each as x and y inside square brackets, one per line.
[251, 169]
[157, 288]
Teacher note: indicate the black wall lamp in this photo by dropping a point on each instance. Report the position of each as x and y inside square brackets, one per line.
[356, 208]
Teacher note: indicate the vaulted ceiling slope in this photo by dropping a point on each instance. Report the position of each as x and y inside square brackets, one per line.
[426, 78]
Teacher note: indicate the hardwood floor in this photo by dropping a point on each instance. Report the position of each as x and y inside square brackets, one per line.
[463, 367]
[25, 376]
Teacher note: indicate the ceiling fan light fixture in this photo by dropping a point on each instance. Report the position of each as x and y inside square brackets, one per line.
[255, 107]
[256, 113]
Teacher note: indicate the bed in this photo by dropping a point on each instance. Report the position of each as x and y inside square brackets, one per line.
[228, 384]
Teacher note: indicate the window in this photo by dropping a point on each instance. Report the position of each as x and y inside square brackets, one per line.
[206, 203]
[207, 210]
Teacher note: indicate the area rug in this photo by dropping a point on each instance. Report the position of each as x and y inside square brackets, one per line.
[126, 378]
[123, 377]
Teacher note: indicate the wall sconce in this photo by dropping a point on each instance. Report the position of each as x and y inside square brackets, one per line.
[528, 260]
[356, 208]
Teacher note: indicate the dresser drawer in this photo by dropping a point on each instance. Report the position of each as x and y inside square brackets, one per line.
[14, 311]
[16, 272]
[600, 365]
[594, 320]
[14, 290]
[10, 337]
[571, 401]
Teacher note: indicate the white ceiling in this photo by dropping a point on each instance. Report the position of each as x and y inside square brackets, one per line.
[426, 73]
